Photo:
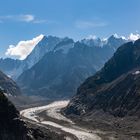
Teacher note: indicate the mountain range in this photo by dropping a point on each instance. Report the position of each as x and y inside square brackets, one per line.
[108, 100]
[60, 71]
[57, 66]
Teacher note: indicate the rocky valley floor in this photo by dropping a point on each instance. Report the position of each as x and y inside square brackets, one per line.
[100, 126]
[113, 128]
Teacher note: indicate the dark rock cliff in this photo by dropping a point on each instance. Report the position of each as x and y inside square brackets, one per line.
[115, 89]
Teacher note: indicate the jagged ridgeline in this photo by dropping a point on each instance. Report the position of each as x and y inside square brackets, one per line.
[114, 89]
[65, 65]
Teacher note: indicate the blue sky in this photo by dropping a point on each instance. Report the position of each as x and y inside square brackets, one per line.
[26, 19]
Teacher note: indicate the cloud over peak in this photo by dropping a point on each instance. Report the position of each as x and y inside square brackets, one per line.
[134, 36]
[23, 48]
[131, 36]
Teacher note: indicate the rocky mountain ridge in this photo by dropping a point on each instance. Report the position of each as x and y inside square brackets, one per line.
[14, 68]
[114, 89]
[9, 85]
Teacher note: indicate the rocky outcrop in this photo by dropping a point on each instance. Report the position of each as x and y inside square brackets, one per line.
[11, 126]
[9, 85]
[114, 89]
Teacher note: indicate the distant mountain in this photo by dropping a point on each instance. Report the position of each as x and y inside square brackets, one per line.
[9, 85]
[94, 42]
[114, 41]
[56, 61]
[57, 74]
[14, 68]
[60, 71]
[47, 44]
[114, 89]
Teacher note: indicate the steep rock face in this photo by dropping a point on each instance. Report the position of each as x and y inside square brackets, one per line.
[114, 89]
[47, 44]
[115, 42]
[64, 45]
[14, 68]
[11, 127]
[9, 85]
[60, 71]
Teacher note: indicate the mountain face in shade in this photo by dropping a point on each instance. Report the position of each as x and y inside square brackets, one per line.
[114, 42]
[58, 73]
[11, 126]
[9, 85]
[61, 71]
[9, 66]
[93, 42]
[60, 64]
[47, 44]
[114, 89]
[14, 68]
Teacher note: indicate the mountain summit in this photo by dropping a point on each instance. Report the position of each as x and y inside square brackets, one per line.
[63, 69]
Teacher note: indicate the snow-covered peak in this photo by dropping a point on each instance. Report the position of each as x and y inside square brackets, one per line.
[23, 48]
[91, 37]
[134, 37]
[119, 37]
[47, 44]
[136, 72]
[114, 41]
[65, 44]
[131, 37]
[93, 41]
[116, 37]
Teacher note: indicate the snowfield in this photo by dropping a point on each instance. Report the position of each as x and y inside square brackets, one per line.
[53, 111]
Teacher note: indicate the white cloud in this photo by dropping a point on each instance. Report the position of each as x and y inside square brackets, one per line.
[89, 24]
[26, 18]
[134, 37]
[22, 18]
[23, 48]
